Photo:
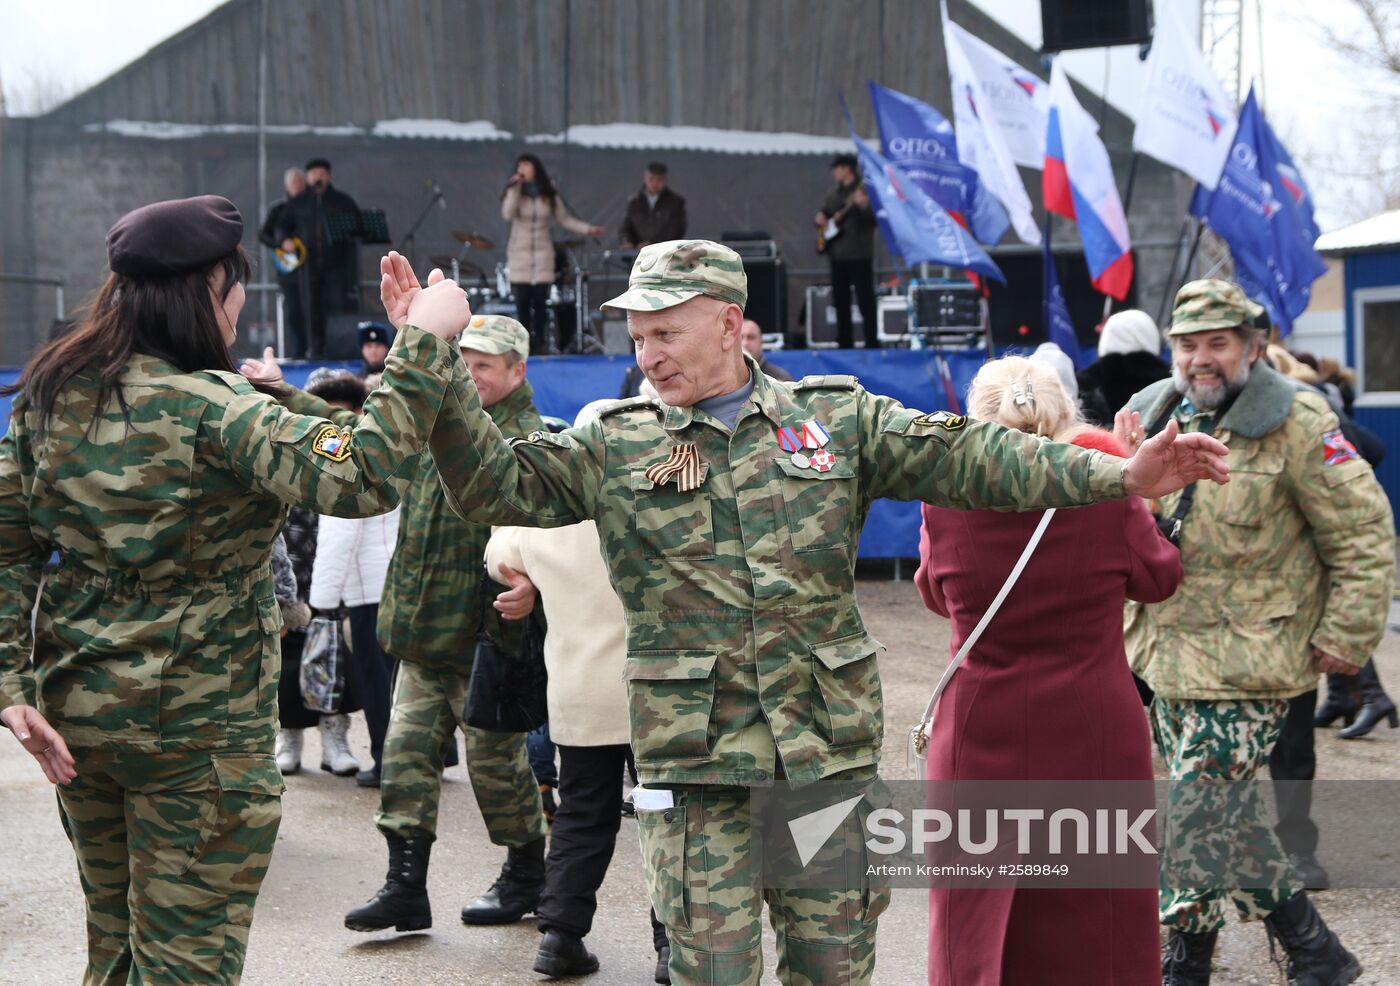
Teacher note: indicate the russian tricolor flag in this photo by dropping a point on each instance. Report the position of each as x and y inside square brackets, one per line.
[1078, 184]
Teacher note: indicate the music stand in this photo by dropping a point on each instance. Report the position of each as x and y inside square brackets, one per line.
[374, 226]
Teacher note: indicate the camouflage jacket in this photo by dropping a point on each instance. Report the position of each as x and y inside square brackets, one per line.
[742, 627]
[1297, 550]
[430, 611]
[159, 629]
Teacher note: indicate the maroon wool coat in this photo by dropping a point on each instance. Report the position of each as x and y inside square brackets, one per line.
[1044, 695]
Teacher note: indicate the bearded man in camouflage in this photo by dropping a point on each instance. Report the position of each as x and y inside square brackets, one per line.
[1288, 574]
[729, 511]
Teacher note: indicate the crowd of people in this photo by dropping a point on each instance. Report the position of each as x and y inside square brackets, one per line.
[690, 552]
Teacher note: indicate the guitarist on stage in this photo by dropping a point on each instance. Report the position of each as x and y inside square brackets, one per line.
[279, 234]
[846, 234]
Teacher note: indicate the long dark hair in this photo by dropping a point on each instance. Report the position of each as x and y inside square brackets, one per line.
[170, 317]
[542, 182]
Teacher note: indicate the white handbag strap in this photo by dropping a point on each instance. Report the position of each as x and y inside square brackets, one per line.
[972, 637]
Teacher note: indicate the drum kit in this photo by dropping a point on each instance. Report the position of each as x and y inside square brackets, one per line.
[567, 295]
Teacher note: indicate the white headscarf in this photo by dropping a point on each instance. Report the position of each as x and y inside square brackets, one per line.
[1131, 331]
[1055, 359]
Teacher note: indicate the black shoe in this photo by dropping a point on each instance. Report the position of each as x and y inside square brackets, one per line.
[1370, 716]
[516, 891]
[562, 954]
[1315, 956]
[1309, 870]
[368, 778]
[402, 903]
[1186, 958]
[1341, 703]
[663, 965]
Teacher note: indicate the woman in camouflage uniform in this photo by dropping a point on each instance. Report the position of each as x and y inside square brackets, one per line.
[159, 478]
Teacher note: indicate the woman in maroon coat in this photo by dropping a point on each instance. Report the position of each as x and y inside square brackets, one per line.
[1045, 694]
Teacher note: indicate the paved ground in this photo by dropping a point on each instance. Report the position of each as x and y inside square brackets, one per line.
[329, 858]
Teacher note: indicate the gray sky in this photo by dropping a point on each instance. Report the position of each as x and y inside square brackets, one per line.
[1318, 104]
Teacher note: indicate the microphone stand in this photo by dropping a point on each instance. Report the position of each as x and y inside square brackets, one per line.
[410, 236]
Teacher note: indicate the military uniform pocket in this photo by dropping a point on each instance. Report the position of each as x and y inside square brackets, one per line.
[848, 690]
[253, 687]
[671, 695]
[669, 523]
[819, 506]
[242, 810]
[1254, 488]
[663, 854]
[1257, 631]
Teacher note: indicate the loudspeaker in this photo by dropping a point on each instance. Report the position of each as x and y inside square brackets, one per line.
[1016, 304]
[616, 340]
[767, 303]
[821, 319]
[1067, 24]
[893, 314]
[343, 334]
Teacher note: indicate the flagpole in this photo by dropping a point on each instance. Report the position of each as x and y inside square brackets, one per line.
[1185, 271]
[1171, 271]
[1132, 180]
[1046, 261]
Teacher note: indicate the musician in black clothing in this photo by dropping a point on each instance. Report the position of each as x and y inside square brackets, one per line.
[655, 214]
[279, 231]
[846, 234]
[327, 220]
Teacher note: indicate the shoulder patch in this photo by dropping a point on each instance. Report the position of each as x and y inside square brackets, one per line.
[629, 404]
[943, 419]
[828, 381]
[332, 443]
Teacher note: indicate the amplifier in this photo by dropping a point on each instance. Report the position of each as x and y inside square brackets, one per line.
[821, 319]
[893, 314]
[945, 306]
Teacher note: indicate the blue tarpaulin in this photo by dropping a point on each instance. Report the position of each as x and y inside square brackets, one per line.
[563, 384]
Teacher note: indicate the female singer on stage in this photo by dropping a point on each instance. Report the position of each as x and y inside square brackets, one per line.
[532, 205]
[1044, 694]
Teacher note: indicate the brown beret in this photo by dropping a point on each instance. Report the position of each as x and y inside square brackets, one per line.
[173, 237]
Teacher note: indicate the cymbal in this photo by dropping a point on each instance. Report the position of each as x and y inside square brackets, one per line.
[474, 240]
[443, 263]
[572, 243]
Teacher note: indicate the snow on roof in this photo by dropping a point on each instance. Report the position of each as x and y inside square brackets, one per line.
[645, 136]
[1376, 233]
[440, 129]
[638, 136]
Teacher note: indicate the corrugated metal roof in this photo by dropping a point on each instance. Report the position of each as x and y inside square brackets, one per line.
[1380, 232]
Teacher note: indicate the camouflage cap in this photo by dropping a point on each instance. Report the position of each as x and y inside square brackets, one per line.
[1208, 305]
[666, 274]
[494, 335]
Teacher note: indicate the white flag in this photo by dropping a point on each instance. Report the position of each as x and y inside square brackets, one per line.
[1012, 97]
[1186, 120]
[982, 144]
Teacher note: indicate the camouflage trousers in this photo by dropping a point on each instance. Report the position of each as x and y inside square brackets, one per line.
[427, 706]
[702, 870]
[1215, 822]
[172, 849]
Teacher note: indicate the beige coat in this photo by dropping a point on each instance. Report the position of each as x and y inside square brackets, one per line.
[584, 648]
[530, 252]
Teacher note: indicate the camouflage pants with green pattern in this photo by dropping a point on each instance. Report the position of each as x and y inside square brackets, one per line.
[702, 871]
[1215, 821]
[172, 849]
[426, 708]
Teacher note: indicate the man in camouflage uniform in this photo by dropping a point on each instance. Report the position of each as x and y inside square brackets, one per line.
[733, 555]
[428, 620]
[1288, 573]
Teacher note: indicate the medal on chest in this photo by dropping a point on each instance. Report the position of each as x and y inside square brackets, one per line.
[809, 437]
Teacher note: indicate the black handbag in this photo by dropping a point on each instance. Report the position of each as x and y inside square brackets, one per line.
[507, 691]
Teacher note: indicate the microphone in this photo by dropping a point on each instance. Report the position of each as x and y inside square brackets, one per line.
[437, 194]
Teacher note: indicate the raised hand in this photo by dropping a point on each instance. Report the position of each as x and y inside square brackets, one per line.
[441, 308]
[265, 371]
[1127, 428]
[398, 286]
[1168, 461]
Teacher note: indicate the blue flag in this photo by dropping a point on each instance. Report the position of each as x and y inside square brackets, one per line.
[1061, 327]
[914, 226]
[919, 141]
[1262, 209]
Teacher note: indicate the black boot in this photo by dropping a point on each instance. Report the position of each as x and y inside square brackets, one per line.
[402, 903]
[562, 954]
[1375, 705]
[1186, 958]
[663, 966]
[1315, 956]
[1342, 702]
[516, 891]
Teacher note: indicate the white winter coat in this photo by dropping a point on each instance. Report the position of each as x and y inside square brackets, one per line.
[352, 558]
